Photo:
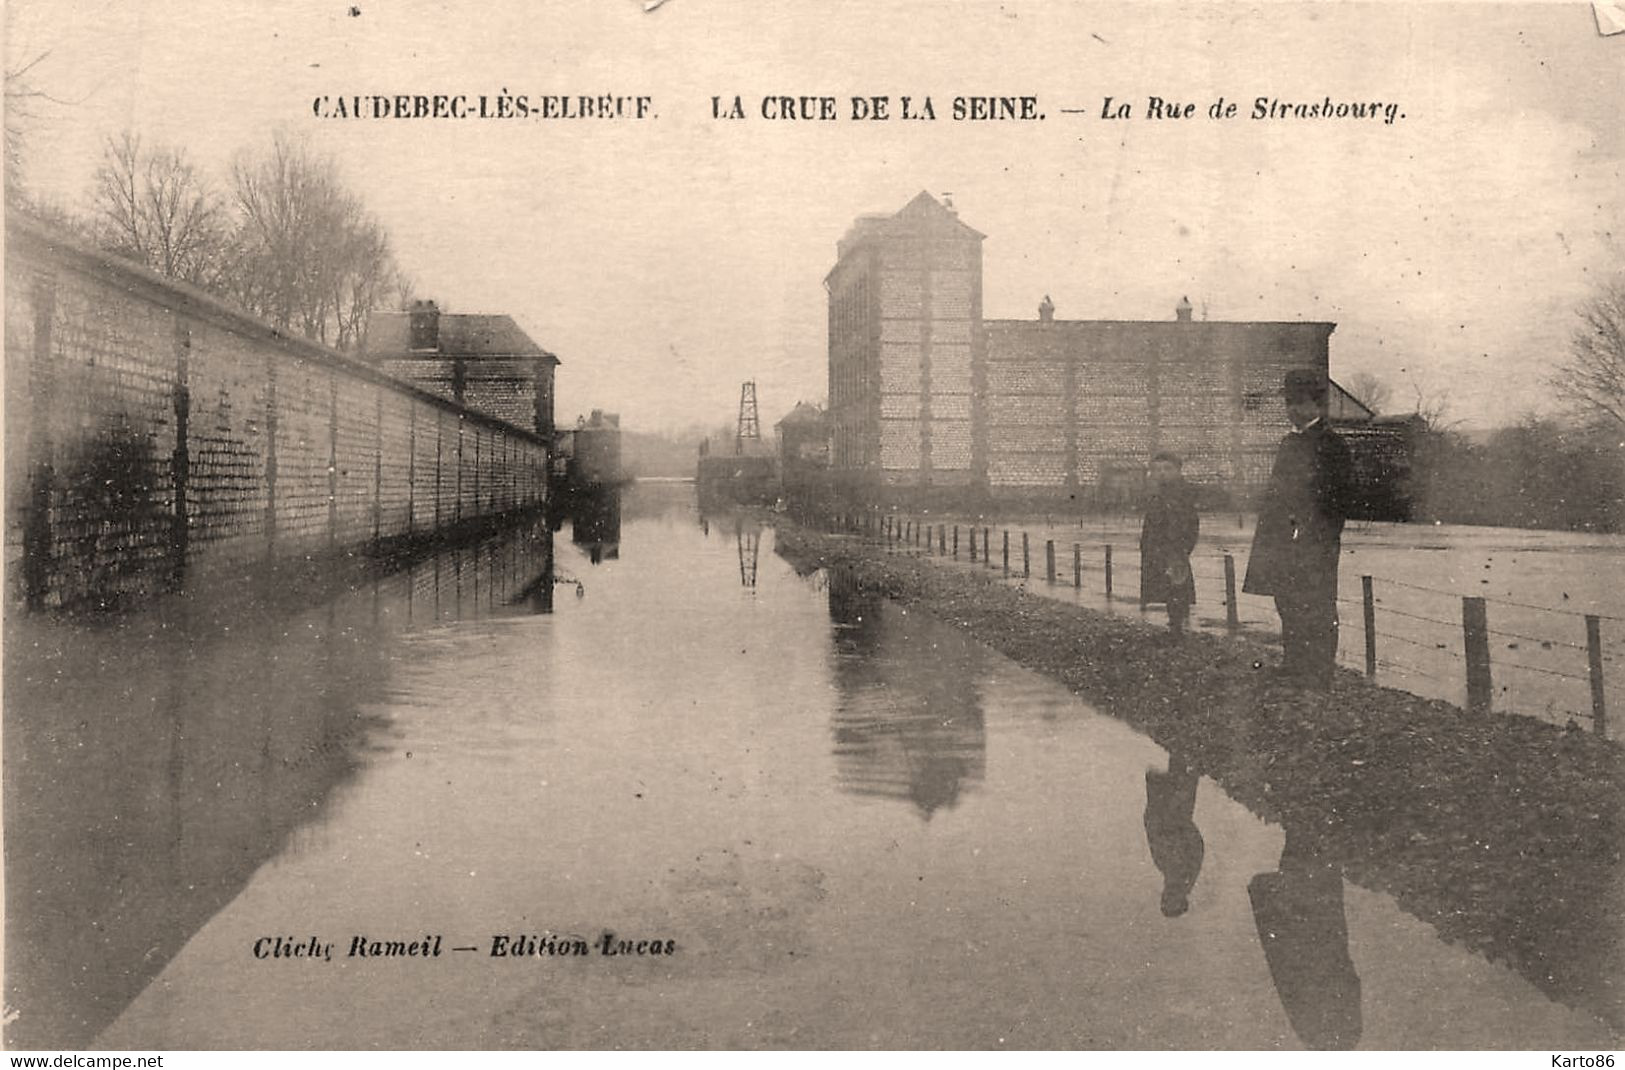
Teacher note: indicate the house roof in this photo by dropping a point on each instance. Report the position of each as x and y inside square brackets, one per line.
[803, 413]
[923, 210]
[461, 334]
[1342, 405]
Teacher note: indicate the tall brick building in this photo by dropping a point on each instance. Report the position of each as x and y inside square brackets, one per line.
[485, 362]
[927, 396]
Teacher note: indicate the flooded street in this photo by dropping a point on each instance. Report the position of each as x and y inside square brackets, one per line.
[851, 825]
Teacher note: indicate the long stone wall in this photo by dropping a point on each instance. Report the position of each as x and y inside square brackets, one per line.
[155, 434]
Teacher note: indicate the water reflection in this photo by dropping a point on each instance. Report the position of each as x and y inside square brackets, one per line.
[596, 523]
[1301, 923]
[1171, 832]
[748, 541]
[154, 761]
[907, 725]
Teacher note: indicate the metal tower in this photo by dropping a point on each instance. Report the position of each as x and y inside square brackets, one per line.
[749, 426]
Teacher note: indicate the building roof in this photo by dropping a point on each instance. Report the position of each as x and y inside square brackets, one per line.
[923, 211]
[802, 414]
[1342, 405]
[1039, 327]
[461, 335]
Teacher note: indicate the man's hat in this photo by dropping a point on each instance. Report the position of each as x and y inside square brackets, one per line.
[1302, 384]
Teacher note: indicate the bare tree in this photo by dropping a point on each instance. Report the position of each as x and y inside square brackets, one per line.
[21, 98]
[27, 103]
[1369, 391]
[1592, 379]
[306, 254]
[155, 207]
[1433, 407]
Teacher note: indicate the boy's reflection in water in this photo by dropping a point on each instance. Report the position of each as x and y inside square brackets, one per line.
[1170, 831]
[1299, 913]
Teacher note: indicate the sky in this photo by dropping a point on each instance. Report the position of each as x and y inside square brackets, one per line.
[666, 261]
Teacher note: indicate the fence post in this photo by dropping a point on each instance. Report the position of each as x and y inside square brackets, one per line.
[1049, 560]
[942, 538]
[1026, 559]
[1007, 552]
[973, 544]
[1599, 712]
[1475, 635]
[956, 540]
[1077, 567]
[987, 547]
[1370, 606]
[1108, 572]
[1232, 614]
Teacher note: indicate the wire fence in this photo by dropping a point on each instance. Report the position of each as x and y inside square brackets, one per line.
[1458, 655]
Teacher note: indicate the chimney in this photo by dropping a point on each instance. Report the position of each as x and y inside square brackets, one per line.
[1182, 311]
[425, 326]
[948, 203]
[1046, 310]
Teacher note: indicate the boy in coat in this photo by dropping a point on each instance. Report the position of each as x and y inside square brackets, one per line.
[1167, 538]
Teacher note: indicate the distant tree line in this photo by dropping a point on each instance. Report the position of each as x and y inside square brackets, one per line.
[1540, 473]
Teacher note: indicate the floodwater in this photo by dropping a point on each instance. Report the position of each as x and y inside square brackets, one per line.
[840, 823]
[1538, 585]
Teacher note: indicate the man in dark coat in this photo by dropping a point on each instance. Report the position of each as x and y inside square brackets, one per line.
[1167, 538]
[1299, 534]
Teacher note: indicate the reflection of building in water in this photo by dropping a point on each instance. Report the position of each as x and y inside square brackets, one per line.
[1301, 923]
[1171, 832]
[596, 523]
[908, 724]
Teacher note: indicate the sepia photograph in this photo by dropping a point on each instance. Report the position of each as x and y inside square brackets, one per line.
[750, 526]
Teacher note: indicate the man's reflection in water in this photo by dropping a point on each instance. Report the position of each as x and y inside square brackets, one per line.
[1170, 831]
[1299, 913]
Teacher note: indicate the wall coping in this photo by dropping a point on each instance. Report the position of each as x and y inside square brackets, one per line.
[25, 233]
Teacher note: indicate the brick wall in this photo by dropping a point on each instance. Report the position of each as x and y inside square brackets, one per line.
[153, 435]
[1074, 404]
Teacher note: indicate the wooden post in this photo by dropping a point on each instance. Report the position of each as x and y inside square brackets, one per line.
[1475, 636]
[1077, 567]
[1026, 559]
[987, 547]
[1049, 560]
[1108, 572]
[942, 538]
[1232, 613]
[1599, 712]
[1007, 552]
[956, 540]
[973, 544]
[1369, 604]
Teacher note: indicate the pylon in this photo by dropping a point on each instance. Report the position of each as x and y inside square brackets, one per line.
[749, 426]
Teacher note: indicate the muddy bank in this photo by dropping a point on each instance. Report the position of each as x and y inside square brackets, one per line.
[1502, 832]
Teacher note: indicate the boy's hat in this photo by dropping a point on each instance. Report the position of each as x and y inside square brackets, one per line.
[1302, 384]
